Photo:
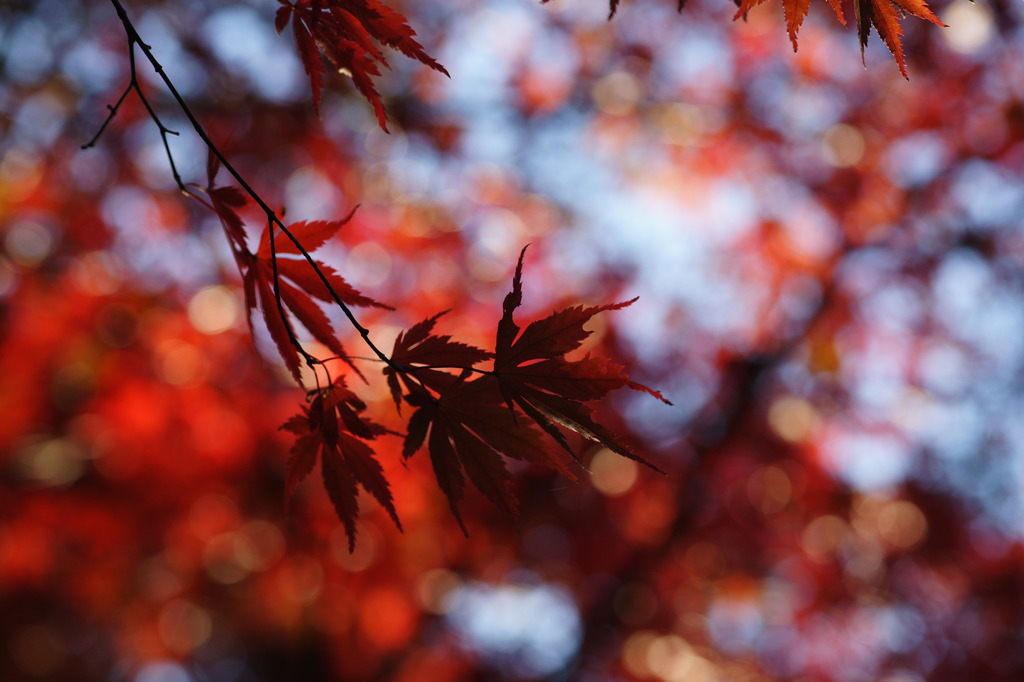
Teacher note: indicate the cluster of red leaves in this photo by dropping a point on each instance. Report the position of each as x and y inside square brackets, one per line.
[345, 32]
[469, 418]
[884, 15]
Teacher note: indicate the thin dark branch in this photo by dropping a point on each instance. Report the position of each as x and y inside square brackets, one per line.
[110, 117]
[133, 84]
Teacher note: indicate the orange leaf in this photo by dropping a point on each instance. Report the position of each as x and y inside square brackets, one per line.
[795, 11]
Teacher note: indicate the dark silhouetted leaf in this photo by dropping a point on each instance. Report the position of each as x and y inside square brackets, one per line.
[329, 426]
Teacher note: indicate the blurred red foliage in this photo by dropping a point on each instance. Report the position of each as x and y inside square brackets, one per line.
[828, 261]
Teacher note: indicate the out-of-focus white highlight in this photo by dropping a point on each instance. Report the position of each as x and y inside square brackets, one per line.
[970, 27]
[533, 629]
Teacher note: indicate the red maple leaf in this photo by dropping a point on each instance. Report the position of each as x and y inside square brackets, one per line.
[298, 283]
[346, 33]
[533, 374]
[333, 429]
[470, 424]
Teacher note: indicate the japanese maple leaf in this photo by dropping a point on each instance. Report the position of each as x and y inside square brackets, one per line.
[346, 33]
[533, 374]
[332, 429]
[470, 424]
[419, 356]
[298, 283]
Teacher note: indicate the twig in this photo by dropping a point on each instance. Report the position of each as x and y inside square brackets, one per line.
[133, 84]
